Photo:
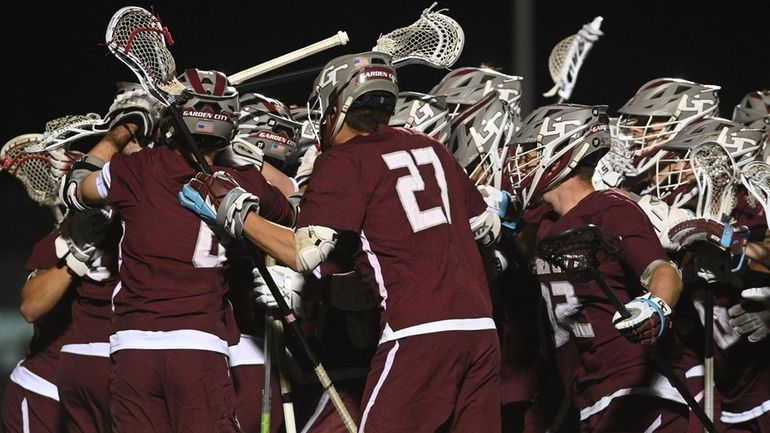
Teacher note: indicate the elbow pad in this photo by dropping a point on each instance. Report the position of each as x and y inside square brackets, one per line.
[486, 228]
[71, 187]
[313, 245]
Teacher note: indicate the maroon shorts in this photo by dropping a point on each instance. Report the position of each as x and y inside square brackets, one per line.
[84, 392]
[24, 411]
[180, 391]
[248, 381]
[441, 380]
[635, 413]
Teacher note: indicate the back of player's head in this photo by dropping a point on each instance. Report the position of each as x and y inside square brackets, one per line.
[267, 123]
[553, 142]
[210, 108]
[365, 81]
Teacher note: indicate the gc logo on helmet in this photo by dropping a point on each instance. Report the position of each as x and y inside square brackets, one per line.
[364, 80]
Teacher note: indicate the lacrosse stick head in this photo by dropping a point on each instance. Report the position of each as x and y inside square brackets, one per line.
[23, 159]
[755, 176]
[578, 252]
[209, 110]
[567, 57]
[465, 87]
[673, 179]
[658, 111]
[267, 123]
[434, 40]
[715, 174]
[754, 109]
[137, 38]
[552, 142]
[422, 112]
[66, 130]
[363, 80]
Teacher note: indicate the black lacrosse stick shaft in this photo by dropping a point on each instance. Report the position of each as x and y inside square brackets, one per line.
[591, 240]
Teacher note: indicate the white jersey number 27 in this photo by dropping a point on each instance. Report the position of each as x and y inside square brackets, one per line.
[407, 185]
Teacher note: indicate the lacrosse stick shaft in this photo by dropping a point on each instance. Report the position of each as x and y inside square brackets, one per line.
[708, 354]
[266, 389]
[660, 360]
[286, 398]
[341, 38]
[203, 165]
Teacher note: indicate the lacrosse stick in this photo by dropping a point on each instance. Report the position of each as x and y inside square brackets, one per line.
[434, 40]
[714, 171]
[568, 56]
[33, 170]
[266, 389]
[137, 38]
[579, 253]
[65, 130]
[341, 38]
[288, 404]
[755, 176]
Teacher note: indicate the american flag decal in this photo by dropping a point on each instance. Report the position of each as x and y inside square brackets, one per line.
[202, 126]
[360, 61]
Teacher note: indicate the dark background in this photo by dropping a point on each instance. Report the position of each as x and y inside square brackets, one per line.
[53, 63]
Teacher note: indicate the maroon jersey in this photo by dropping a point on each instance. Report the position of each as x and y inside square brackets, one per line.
[594, 359]
[171, 269]
[43, 353]
[407, 200]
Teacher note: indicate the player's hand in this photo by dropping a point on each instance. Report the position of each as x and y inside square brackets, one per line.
[290, 284]
[218, 199]
[508, 207]
[242, 152]
[725, 236]
[78, 244]
[61, 161]
[663, 218]
[305, 168]
[133, 104]
[649, 319]
[752, 316]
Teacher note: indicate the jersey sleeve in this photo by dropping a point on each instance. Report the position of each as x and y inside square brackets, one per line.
[335, 196]
[44, 253]
[639, 246]
[124, 179]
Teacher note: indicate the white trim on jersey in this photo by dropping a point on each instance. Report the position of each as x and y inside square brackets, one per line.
[659, 387]
[180, 339]
[248, 351]
[476, 324]
[25, 416]
[375, 263]
[103, 181]
[739, 417]
[101, 350]
[34, 383]
[389, 360]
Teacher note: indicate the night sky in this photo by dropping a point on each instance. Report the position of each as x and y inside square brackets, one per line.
[54, 65]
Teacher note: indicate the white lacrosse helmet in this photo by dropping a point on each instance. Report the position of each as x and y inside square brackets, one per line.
[421, 112]
[464, 87]
[551, 143]
[267, 123]
[674, 179]
[658, 111]
[754, 109]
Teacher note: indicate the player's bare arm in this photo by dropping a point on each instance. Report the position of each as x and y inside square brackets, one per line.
[41, 292]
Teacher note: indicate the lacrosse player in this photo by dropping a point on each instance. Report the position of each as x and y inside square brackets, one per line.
[613, 383]
[395, 192]
[172, 325]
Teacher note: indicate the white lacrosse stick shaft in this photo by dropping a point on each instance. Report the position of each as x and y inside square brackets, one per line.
[578, 51]
[341, 38]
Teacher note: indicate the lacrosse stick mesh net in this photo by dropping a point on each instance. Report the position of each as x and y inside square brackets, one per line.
[32, 169]
[137, 38]
[435, 39]
[714, 171]
[578, 252]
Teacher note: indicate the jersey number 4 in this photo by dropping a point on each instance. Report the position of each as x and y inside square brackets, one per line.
[407, 185]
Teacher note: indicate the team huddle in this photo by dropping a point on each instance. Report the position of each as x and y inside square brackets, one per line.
[459, 266]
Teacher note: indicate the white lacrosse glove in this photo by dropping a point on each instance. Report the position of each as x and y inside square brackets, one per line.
[290, 284]
[501, 202]
[61, 161]
[611, 170]
[133, 104]
[77, 245]
[649, 319]
[663, 218]
[305, 168]
[752, 316]
[241, 152]
[217, 198]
